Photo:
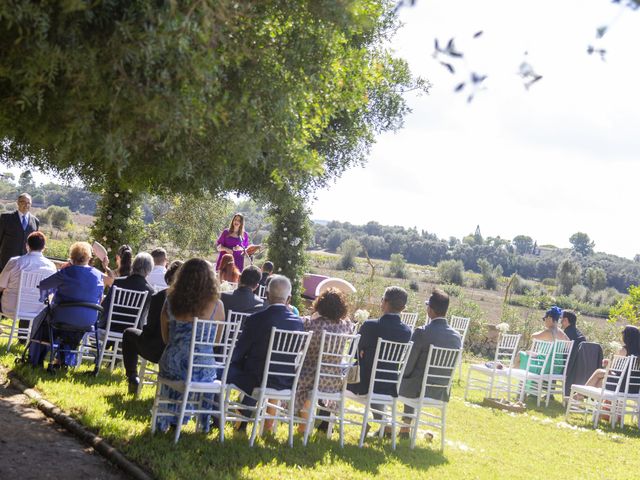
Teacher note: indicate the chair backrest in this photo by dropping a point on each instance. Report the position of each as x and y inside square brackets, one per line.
[262, 291]
[460, 325]
[507, 348]
[28, 302]
[337, 353]
[410, 319]
[125, 308]
[632, 381]
[614, 377]
[388, 365]
[212, 344]
[438, 372]
[560, 357]
[285, 355]
[238, 317]
[540, 356]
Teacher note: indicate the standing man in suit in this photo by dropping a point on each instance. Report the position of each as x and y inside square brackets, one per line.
[15, 228]
[437, 333]
[242, 299]
[250, 355]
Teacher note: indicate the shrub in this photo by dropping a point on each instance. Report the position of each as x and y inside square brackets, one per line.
[580, 293]
[549, 282]
[413, 286]
[606, 298]
[490, 274]
[452, 290]
[526, 323]
[627, 310]
[348, 249]
[521, 286]
[568, 274]
[58, 217]
[596, 278]
[397, 266]
[451, 271]
[477, 326]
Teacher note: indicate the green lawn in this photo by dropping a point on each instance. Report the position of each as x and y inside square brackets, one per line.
[481, 442]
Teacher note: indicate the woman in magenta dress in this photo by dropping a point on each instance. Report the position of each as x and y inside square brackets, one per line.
[233, 240]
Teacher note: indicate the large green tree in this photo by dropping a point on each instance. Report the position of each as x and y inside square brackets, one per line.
[256, 97]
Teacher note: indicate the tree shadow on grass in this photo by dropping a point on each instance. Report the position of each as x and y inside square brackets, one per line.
[234, 456]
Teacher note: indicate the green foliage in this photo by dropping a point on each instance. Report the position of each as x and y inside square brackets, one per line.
[525, 322]
[187, 224]
[523, 244]
[463, 307]
[286, 242]
[397, 266]
[490, 274]
[451, 271]
[627, 310]
[452, 290]
[580, 293]
[348, 250]
[119, 219]
[58, 217]
[568, 275]
[581, 243]
[596, 278]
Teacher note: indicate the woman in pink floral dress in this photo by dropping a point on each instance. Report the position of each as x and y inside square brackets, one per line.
[329, 314]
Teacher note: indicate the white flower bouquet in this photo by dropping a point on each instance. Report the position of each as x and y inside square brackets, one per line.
[226, 287]
[361, 315]
[502, 327]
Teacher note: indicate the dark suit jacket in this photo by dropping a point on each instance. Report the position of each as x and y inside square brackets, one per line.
[151, 332]
[242, 299]
[438, 333]
[576, 335]
[249, 356]
[388, 327]
[13, 239]
[132, 282]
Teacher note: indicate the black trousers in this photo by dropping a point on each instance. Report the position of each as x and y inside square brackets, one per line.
[135, 343]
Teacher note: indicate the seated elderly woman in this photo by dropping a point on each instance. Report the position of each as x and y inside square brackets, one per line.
[137, 280]
[78, 282]
[329, 314]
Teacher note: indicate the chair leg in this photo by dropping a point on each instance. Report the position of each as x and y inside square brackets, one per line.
[365, 422]
[154, 409]
[442, 428]
[342, 423]
[466, 387]
[183, 407]
[394, 405]
[258, 418]
[311, 415]
[11, 333]
[414, 428]
[141, 375]
[223, 416]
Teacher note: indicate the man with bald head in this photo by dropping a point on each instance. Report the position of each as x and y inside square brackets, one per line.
[15, 227]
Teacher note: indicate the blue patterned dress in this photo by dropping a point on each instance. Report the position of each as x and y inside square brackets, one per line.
[174, 364]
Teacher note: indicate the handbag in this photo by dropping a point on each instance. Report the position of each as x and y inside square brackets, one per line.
[353, 374]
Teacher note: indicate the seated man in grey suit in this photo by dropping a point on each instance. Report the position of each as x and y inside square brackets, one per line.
[437, 333]
[242, 299]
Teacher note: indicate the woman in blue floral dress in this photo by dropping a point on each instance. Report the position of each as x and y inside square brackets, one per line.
[194, 293]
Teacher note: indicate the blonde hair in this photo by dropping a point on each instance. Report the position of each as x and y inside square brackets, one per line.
[80, 253]
[240, 232]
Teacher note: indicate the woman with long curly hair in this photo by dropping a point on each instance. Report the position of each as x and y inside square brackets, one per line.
[195, 293]
[228, 272]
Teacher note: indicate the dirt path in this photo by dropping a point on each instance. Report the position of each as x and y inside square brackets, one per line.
[34, 447]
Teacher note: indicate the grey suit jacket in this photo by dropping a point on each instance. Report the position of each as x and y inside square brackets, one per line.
[13, 239]
[439, 334]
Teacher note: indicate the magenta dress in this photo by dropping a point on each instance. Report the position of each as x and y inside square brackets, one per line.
[227, 241]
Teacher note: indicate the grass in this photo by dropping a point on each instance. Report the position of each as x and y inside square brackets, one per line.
[481, 442]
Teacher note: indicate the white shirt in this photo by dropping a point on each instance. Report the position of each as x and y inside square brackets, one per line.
[156, 278]
[10, 277]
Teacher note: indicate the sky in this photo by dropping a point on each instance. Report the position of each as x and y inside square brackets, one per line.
[547, 162]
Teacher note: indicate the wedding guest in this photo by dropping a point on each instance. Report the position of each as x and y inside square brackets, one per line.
[388, 327]
[551, 332]
[233, 241]
[249, 356]
[267, 271]
[146, 342]
[568, 324]
[156, 277]
[227, 271]
[123, 265]
[243, 299]
[630, 346]
[15, 228]
[137, 280]
[437, 333]
[329, 314]
[194, 293]
[32, 261]
[79, 282]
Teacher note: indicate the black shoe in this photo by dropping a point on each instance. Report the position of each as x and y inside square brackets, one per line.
[323, 426]
[133, 385]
